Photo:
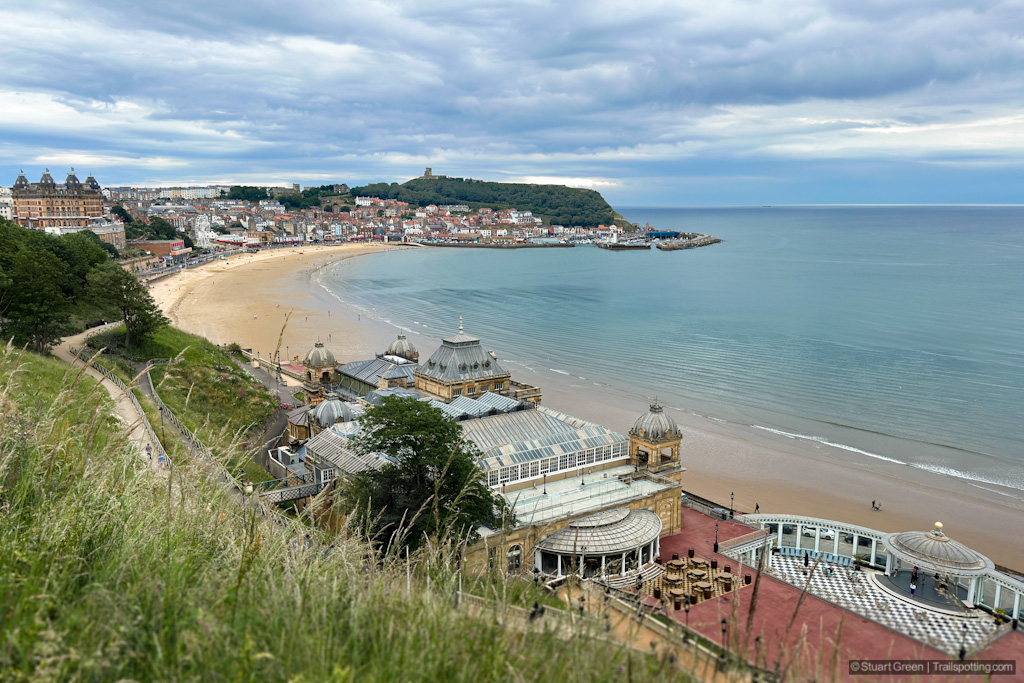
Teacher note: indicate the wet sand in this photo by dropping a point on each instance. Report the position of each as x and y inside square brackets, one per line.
[245, 299]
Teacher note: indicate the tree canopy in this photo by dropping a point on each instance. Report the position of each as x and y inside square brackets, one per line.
[116, 286]
[553, 203]
[431, 485]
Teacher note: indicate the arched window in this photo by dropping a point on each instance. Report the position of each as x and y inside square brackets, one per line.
[515, 558]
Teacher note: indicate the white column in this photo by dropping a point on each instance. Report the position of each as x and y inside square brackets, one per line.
[888, 564]
[559, 565]
[835, 544]
[1016, 605]
[657, 544]
[623, 571]
[995, 600]
[972, 589]
[602, 566]
[799, 535]
[874, 546]
[817, 539]
[779, 545]
[856, 545]
[537, 560]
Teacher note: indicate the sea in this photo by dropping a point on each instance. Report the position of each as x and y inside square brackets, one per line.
[893, 333]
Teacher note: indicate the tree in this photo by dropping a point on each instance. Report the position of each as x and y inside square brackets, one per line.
[431, 484]
[119, 211]
[36, 307]
[116, 286]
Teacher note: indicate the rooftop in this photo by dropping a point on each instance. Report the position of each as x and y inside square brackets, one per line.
[569, 497]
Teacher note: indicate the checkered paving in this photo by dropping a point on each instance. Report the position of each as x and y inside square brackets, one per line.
[855, 592]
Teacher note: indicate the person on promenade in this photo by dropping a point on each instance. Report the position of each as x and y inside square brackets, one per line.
[161, 461]
[149, 451]
[913, 587]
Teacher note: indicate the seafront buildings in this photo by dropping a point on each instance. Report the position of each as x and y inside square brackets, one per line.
[611, 511]
[212, 220]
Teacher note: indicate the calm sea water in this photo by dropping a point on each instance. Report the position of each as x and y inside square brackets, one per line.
[895, 332]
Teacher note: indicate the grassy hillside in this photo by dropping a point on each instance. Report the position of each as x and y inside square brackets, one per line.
[553, 203]
[110, 571]
[220, 402]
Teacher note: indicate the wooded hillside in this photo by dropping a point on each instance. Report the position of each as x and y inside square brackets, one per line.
[555, 204]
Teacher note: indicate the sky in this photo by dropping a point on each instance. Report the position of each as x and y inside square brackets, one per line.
[652, 103]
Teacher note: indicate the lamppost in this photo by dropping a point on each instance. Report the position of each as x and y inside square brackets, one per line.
[716, 537]
[725, 641]
[963, 643]
[686, 609]
[732, 498]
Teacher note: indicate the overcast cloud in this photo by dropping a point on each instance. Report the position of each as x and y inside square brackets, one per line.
[781, 101]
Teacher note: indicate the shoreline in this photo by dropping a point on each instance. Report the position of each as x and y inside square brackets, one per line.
[242, 299]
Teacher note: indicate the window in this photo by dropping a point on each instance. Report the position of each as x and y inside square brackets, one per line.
[470, 391]
[456, 392]
[485, 388]
[492, 478]
[498, 386]
[545, 466]
[515, 558]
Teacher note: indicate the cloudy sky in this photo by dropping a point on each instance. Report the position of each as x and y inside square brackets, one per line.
[664, 103]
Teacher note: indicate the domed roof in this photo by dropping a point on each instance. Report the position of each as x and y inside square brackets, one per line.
[655, 425]
[319, 357]
[332, 410]
[607, 532]
[91, 183]
[21, 182]
[402, 347]
[47, 179]
[72, 180]
[936, 550]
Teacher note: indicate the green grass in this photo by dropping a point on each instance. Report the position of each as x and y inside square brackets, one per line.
[221, 403]
[109, 571]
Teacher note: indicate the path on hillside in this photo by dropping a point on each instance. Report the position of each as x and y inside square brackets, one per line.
[123, 406]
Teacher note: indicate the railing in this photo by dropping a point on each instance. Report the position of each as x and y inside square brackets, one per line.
[213, 466]
[278, 496]
[80, 354]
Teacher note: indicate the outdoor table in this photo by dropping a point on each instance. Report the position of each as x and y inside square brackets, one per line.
[697, 573]
[676, 565]
[698, 562]
[677, 593]
[703, 585]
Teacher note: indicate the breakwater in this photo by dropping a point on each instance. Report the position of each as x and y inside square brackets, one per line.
[688, 241]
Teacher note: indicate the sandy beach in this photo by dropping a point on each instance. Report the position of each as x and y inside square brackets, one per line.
[246, 299]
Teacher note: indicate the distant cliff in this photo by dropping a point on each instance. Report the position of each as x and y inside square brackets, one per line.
[555, 204]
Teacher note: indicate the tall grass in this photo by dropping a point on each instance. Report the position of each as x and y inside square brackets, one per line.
[107, 573]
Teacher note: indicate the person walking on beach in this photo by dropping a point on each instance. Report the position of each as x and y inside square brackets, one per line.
[757, 508]
[873, 505]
